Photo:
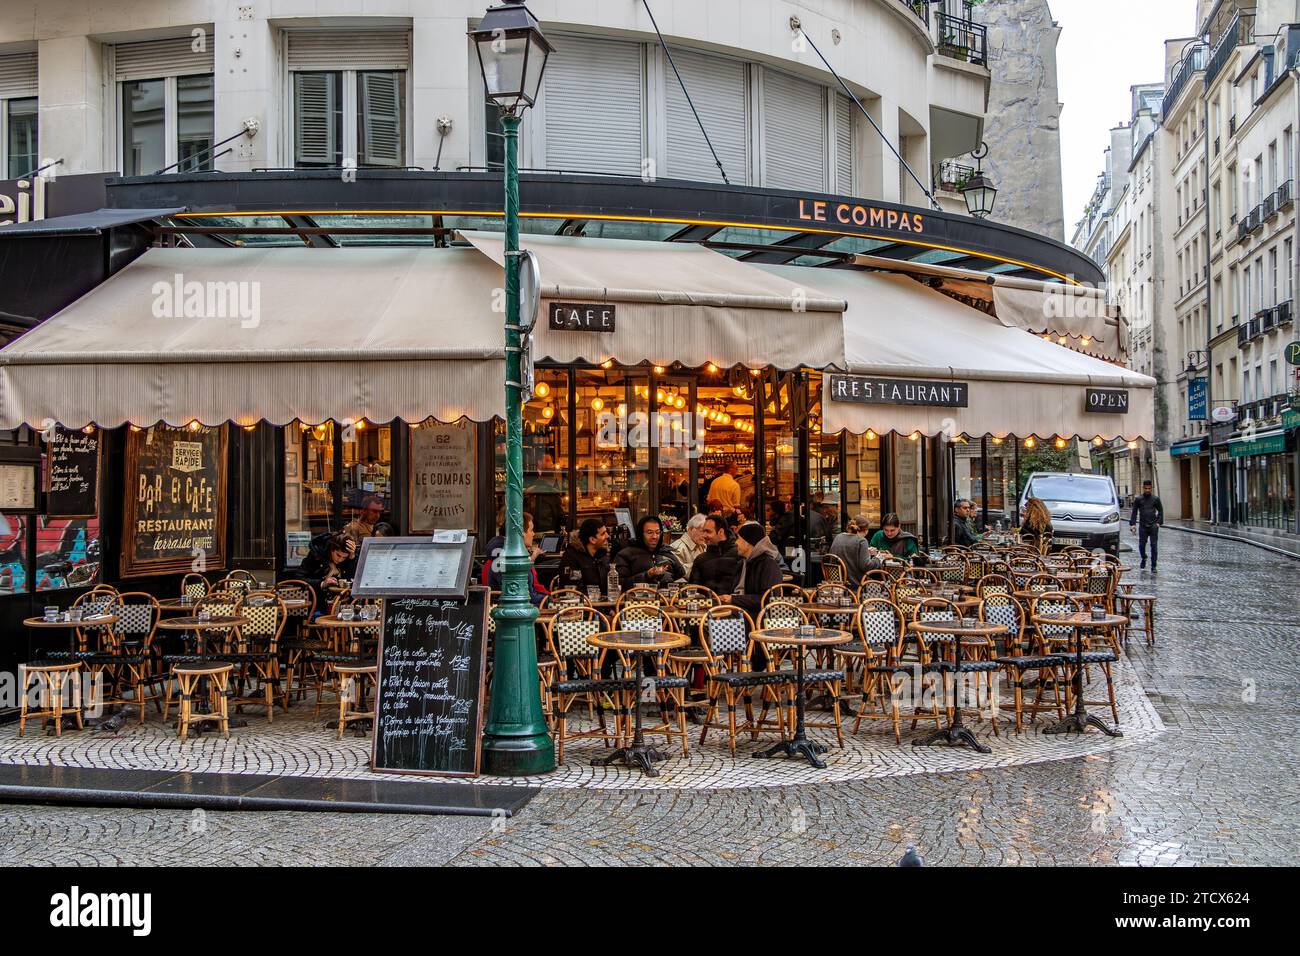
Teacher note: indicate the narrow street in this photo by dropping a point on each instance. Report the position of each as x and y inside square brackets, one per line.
[1215, 788]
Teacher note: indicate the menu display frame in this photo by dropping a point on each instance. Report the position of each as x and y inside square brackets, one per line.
[24, 475]
[368, 565]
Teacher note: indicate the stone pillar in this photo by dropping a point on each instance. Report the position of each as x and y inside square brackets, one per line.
[879, 166]
[245, 87]
[71, 91]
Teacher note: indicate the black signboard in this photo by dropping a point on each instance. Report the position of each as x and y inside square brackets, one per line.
[429, 712]
[402, 567]
[72, 474]
[868, 390]
[581, 317]
[175, 515]
[1112, 401]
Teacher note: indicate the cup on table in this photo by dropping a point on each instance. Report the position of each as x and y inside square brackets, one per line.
[806, 630]
[75, 614]
[204, 614]
[646, 636]
[968, 622]
[1098, 613]
[51, 613]
[347, 613]
[368, 613]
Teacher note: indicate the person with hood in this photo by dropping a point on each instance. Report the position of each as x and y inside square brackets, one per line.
[718, 568]
[329, 560]
[760, 571]
[585, 562]
[492, 567]
[892, 538]
[647, 560]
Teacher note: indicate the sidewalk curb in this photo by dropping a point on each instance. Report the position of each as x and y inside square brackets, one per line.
[1232, 537]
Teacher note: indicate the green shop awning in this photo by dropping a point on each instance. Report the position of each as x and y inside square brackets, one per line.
[1269, 444]
[1192, 446]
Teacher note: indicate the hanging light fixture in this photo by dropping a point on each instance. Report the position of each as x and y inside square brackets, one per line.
[978, 190]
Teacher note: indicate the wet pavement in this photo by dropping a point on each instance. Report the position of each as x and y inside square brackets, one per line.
[1216, 787]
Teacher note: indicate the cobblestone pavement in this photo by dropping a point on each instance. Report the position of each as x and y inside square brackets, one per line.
[1210, 783]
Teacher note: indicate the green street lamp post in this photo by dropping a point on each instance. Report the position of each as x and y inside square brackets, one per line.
[512, 54]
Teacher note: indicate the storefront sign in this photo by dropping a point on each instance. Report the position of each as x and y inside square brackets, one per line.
[1196, 408]
[442, 477]
[1267, 445]
[581, 317]
[860, 215]
[1223, 414]
[429, 707]
[1292, 353]
[175, 516]
[1110, 401]
[898, 391]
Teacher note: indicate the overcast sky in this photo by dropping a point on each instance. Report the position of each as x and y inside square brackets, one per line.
[1106, 46]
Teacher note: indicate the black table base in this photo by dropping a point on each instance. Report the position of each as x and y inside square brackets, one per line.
[800, 746]
[955, 736]
[637, 755]
[1079, 722]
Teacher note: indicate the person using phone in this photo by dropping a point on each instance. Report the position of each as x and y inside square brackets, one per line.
[647, 560]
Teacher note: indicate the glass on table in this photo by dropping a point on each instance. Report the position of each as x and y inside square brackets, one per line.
[51, 613]
[593, 593]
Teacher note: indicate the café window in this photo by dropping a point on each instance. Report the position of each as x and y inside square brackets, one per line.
[330, 470]
[165, 105]
[780, 471]
[547, 441]
[18, 120]
[862, 477]
[824, 471]
[349, 97]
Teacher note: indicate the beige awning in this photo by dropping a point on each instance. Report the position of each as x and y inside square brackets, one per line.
[277, 334]
[677, 302]
[897, 330]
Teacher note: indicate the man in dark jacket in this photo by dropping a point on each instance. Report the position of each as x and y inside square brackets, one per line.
[718, 568]
[963, 523]
[760, 572]
[329, 559]
[586, 563]
[1148, 515]
[648, 560]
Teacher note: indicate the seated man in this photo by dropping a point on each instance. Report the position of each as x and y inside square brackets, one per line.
[585, 563]
[647, 560]
[493, 566]
[718, 568]
[963, 523]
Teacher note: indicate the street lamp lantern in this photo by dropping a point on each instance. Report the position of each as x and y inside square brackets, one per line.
[978, 190]
[512, 54]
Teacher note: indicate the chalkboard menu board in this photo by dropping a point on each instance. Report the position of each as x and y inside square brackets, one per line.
[430, 705]
[175, 515]
[72, 474]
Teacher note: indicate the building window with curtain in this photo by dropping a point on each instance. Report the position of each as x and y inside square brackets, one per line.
[19, 122]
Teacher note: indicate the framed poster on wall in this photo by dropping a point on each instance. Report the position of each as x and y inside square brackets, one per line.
[442, 477]
[175, 510]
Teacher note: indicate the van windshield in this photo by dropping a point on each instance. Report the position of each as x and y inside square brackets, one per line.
[1083, 489]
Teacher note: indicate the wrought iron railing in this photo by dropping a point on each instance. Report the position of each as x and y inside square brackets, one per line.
[952, 176]
[960, 38]
[1193, 62]
[1241, 30]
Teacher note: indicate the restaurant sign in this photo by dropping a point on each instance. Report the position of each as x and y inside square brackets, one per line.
[868, 390]
[1196, 394]
[581, 317]
[1110, 401]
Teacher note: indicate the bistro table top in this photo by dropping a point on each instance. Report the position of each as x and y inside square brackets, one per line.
[1134, 596]
[194, 623]
[977, 629]
[333, 620]
[1082, 619]
[96, 620]
[821, 636]
[1076, 595]
[177, 604]
[813, 608]
[688, 613]
[631, 641]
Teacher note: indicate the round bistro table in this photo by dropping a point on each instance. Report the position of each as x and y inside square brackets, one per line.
[799, 745]
[97, 620]
[956, 734]
[639, 754]
[1081, 720]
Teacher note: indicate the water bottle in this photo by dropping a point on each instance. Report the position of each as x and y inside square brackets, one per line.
[611, 585]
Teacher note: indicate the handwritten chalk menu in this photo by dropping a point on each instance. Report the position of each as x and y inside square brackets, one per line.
[442, 477]
[72, 474]
[175, 515]
[401, 567]
[429, 712]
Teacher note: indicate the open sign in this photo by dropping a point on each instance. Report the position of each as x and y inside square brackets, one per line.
[1113, 401]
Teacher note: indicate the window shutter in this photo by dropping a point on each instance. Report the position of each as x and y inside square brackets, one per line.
[794, 132]
[18, 75]
[594, 106]
[719, 90]
[155, 58]
[380, 118]
[845, 112]
[314, 107]
[348, 50]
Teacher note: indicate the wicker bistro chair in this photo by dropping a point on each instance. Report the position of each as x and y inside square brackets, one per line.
[92, 603]
[834, 570]
[566, 635]
[194, 586]
[1023, 655]
[991, 584]
[875, 584]
[1058, 641]
[881, 630]
[732, 682]
[906, 587]
[297, 643]
[130, 662]
[256, 656]
[237, 582]
[563, 597]
[639, 594]
[48, 683]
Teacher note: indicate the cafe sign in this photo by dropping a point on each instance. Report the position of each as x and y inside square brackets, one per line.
[1108, 401]
[580, 317]
[867, 390]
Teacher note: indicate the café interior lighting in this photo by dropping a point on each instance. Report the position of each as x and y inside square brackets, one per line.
[542, 390]
[1029, 442]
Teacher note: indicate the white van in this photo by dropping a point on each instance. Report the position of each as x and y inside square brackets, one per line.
[1085, 508]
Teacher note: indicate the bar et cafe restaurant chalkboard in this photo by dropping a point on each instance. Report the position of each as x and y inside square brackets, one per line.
[175, 500]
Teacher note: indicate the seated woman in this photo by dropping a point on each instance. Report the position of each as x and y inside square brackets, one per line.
[1036, 528]
[892, 538]
[329, 561]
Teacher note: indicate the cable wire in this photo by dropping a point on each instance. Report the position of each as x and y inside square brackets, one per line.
[686, 92]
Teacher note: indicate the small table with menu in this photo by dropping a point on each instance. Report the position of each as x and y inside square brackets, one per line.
[639, 753]
[799, 745]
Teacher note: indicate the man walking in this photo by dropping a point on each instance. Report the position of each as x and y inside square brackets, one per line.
[1148, 515]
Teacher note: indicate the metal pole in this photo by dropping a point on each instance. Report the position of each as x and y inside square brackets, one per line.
[515, 741]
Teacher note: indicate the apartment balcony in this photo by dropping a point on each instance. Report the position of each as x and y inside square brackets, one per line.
[1267, 320]
[1243, 335]
[1269, 206]
[1283, 313]
[1192, 63]
[920, 8]
[1285, 194]
[1241, 30]
[952, 176]
[1255, 220]
[1243, 229]
[961, 38]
